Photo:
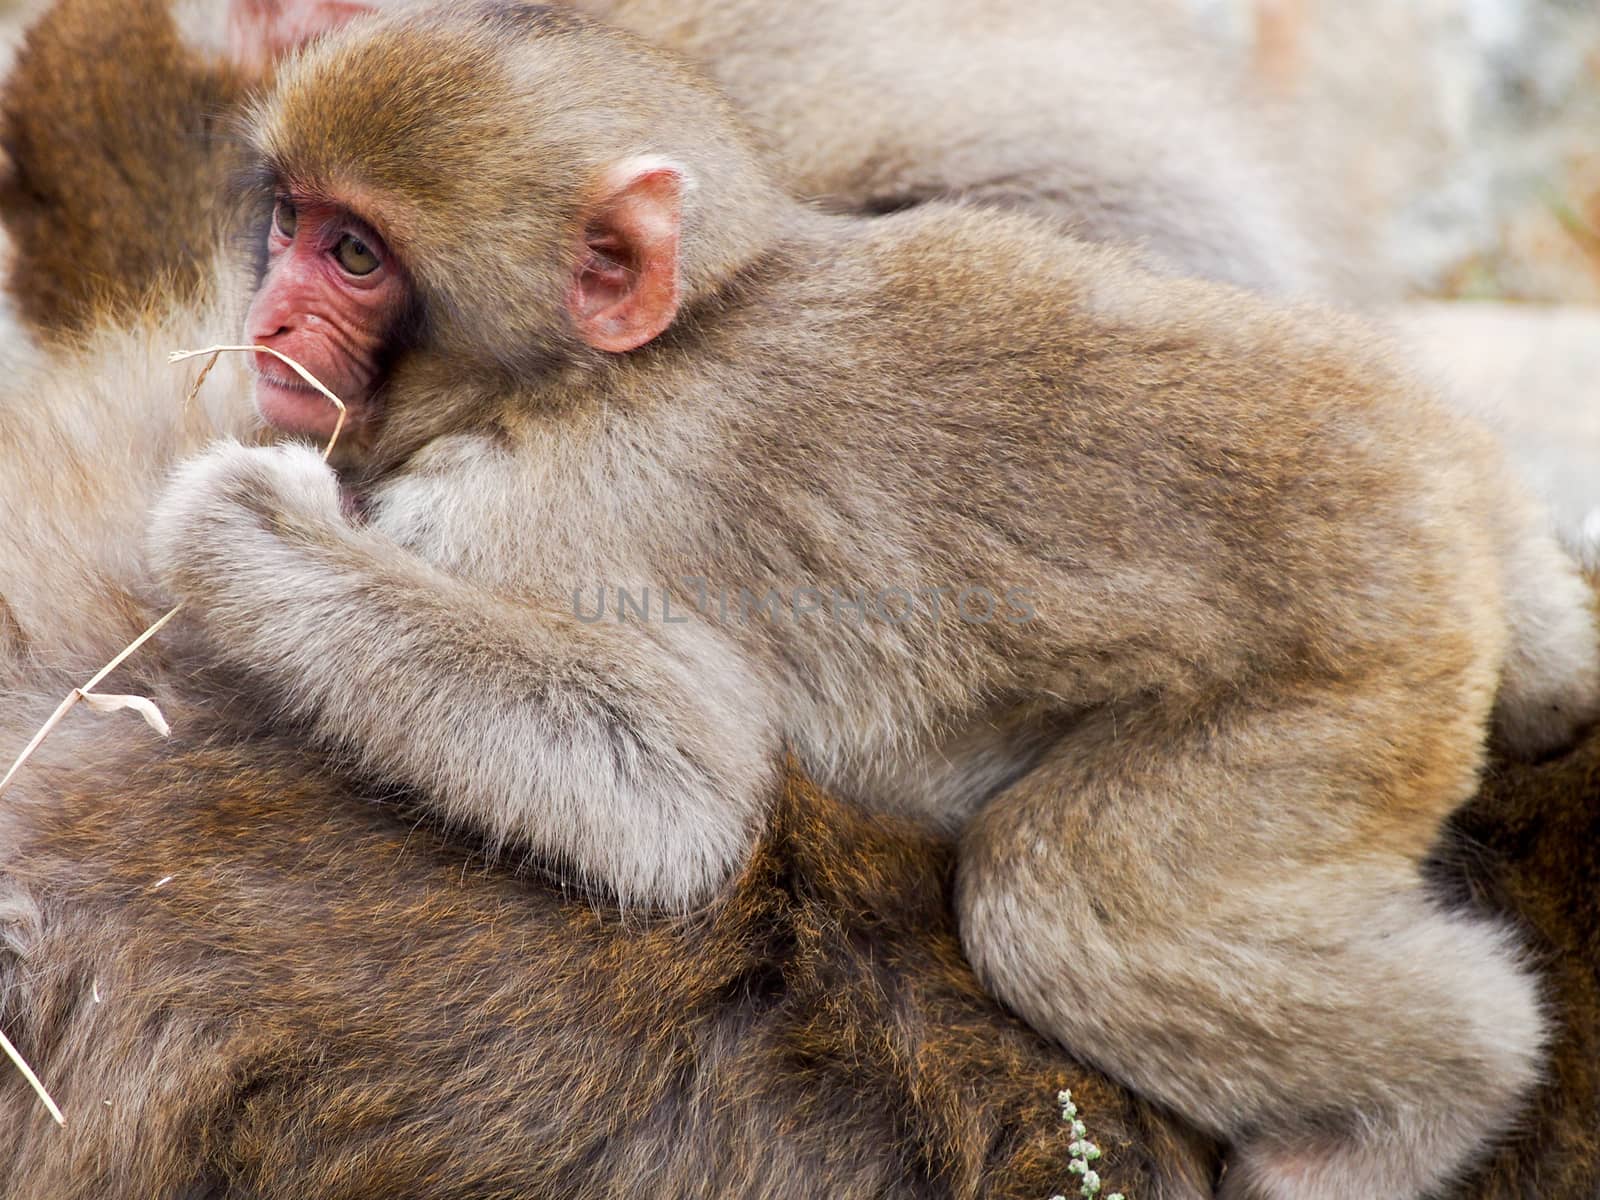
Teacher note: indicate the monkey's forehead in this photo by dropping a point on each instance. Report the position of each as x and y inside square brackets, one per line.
[434, 112]
[404, 107]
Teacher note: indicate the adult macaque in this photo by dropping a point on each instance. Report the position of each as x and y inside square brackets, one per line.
[242, 978]
[585, 340]
[88, 434]
[1063, 109]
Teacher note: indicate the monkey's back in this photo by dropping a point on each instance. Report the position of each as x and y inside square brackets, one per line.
[292, 991]
[1208, 501]
[1262, 485]
[1075, 109]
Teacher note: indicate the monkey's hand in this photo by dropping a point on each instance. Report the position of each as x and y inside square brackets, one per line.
[639, 758]
[217, 533]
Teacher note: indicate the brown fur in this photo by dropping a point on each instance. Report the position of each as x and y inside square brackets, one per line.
[322, 1003]
[1275, 587]
[1535, 829]
[119, 139]
[1529, 845]
[326, 1001]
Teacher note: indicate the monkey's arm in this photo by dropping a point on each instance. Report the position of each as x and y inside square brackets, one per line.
[589, 744]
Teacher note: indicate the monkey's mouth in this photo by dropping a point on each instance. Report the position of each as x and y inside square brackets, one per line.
[289, 404]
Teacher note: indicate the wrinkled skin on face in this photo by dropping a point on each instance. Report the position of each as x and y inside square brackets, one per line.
[331, 298]
[332, 292]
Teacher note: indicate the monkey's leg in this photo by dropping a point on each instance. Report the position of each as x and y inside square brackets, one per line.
[1207, 912]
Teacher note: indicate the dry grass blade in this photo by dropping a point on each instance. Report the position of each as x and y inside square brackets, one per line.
[147, 709]
[33, 1080]
[101, 703]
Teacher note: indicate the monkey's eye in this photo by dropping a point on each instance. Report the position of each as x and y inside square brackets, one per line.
[285, 217]
[355, 256]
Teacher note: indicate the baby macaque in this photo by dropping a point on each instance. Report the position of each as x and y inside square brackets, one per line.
[1190, 614]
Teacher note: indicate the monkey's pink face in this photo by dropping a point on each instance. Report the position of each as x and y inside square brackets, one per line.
[331, 299]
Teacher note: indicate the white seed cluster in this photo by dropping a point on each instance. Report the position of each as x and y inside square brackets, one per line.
[1083, 1151]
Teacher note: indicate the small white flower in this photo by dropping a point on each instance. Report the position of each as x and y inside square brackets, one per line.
[1082, 1150]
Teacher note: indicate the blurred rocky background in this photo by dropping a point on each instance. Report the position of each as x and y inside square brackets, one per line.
[14, 16]
[1466, 131]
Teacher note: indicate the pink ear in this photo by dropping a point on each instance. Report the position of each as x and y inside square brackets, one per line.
[625, 291]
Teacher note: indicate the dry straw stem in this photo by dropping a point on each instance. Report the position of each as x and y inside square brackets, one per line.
[146, 709]
[139, 704]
